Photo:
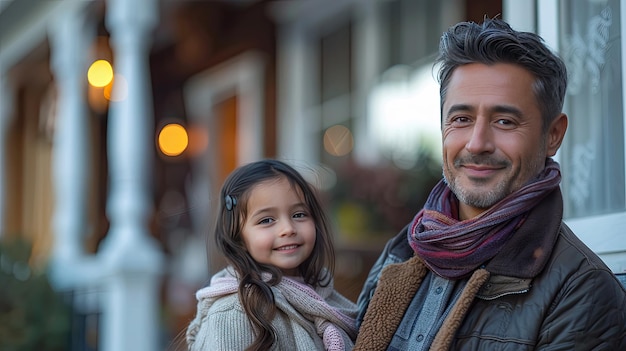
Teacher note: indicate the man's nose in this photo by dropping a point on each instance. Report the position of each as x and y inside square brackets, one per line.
[480, 138]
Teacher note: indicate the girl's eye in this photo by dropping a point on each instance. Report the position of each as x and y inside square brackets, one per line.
[266, 220]
[299, 215]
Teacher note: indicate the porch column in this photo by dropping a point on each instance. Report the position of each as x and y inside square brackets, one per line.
[69, 41]
[296, 127]
[369, 46]
[6, 117]
[133, 258]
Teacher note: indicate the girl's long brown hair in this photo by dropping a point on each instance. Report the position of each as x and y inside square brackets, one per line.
[256, 294]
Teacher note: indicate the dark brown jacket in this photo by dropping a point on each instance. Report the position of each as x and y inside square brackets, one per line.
[545, 290]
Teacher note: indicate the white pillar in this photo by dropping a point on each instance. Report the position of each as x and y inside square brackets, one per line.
[369, 45]
[296, 127]
[69, 42]
[250, 102]
[133, 257]
[6, 117]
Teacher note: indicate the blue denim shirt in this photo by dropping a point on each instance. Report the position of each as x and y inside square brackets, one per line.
[430, 306]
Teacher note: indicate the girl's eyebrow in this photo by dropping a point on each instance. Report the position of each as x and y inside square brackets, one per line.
[270, 209]
[261, 211]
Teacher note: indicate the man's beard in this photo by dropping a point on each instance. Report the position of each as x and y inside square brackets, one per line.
[485, 198]
[479, 199]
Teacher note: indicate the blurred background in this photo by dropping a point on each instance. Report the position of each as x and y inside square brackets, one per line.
[120, 119]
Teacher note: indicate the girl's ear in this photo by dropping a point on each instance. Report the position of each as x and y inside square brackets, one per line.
[555, 134]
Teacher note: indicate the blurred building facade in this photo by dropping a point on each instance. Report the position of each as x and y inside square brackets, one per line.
[119, 214]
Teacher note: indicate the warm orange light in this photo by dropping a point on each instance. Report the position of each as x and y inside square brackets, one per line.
[173, 139]
[338, 140]
[100, 73]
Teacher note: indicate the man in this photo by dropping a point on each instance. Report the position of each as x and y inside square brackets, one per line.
[488, 264]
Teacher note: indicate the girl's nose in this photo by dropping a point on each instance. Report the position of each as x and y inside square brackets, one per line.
[287, 228]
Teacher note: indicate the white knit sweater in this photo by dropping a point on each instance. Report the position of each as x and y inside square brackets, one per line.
[306, 319]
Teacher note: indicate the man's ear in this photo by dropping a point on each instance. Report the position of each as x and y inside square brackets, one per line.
[556, 133]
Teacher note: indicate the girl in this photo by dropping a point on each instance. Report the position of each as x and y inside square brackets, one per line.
[277, 291]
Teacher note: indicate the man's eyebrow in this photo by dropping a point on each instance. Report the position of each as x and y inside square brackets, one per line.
[458, 107]
[508, 109]
[496, 109]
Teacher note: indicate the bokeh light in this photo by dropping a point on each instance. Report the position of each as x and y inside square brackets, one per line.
[338, 140]
[100, 73]
[173, 139]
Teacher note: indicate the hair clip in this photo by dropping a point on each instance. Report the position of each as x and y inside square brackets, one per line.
[229, 202]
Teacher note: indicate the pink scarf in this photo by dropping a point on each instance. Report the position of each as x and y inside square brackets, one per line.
[328, 320]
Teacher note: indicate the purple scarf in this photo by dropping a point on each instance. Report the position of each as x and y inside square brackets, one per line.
[453, 248]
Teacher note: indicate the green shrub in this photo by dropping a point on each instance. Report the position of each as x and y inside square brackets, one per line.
[32, 315]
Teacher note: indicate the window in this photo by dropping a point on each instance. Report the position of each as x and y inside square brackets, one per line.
[587, 35]
[592, 156]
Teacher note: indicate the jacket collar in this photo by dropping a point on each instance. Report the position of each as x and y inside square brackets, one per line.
[396, 288]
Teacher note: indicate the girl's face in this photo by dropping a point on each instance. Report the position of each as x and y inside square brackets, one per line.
[279, 229]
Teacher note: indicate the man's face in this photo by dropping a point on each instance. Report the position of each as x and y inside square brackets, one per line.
[493, 141]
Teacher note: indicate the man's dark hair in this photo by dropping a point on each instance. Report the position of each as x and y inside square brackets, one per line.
[494, 41]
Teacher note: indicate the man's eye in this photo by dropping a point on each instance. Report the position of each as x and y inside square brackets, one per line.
[504, 122]
[461, 119]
